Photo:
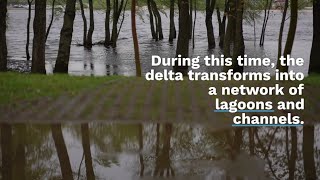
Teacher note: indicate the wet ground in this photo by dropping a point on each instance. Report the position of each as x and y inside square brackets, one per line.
[106, 61]
[158, 150]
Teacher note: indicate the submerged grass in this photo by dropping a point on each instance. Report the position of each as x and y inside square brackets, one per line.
[16, 86]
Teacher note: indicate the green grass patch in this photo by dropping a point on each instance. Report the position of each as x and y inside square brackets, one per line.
[313, 80]
[15, 87]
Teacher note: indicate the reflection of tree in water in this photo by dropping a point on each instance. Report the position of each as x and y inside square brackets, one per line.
[30, 152]
[163, 163]
[87, 151]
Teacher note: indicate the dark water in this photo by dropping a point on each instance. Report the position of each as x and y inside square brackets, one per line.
[156, 151]
[105, 61]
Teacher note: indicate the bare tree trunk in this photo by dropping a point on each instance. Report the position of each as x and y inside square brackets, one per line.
[308, 152]
[116, 15]
[183, 36]
[107, 40]
[91, 27]
[87, 152]
[62, 152]
[135, 39]
[28, 30]
[172, 33]
[315, 52]
[153, 32]
[194, 23]
[39, 38]
[283, 20]
[3, 39]
[228, 38]
[222, 24]
[210, 34]
[51, 20]
[291, 33]
[265, 21]
[65, 38]
[84, 19]
[190, 18]
[6, 151]
[158, 20]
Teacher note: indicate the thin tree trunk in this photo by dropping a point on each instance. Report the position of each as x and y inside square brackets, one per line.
[91, 27]
[51, 20]
[3, 39]
[265, 22]
[65, 38]
[190, 18]
[39, 38]
[135, 39]
[194, 23]
[183, 36]
[291, 32]
[116, 15]
[6, 151]
[28, 30]
[84, 19]
[283, 20]
[123, 16]
[210, 34]
[153, 32]
[87, 152]
[107, 40]
[315, 52]
[62, 152]
[308, 152]
[172, 33]
[158, 20]
[228, 38]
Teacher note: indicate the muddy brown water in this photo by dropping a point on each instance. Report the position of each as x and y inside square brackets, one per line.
[102, 61]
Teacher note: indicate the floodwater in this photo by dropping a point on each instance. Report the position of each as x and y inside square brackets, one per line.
[155, 151]
[102, 61]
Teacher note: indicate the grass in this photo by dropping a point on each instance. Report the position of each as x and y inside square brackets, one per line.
[313, 80]
[16, 86]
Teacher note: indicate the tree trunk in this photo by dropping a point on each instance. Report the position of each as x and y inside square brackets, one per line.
[135, 38]
[283, 20]
[62, 152]
[190, 18]
[265, 21]
[91, 27]
[183, 36]
[86, 151]
[228, 38]
[65, 38]
[308, 152]
[39, 38]
[51, 20]
[222, 24]
[194, 23]
[158, 20]
[210, 34]
[116, 15]
[3, 39]
[107, 40]
[84, 19]
[291, 32]
[172, 33]
[315, 52]
[238, 48]
[6, 150]
[28, 30]
[153, 32]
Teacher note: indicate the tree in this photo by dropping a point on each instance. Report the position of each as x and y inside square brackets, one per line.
[28, 30]
[91, 27]
[51, 20]
[222, 23]
[291, 33]
[135, 38]
[84, 19]
[315, 53]
[3, 39]
[65, 38]
[117, 9]
[183, 36]
[156, 29]
[107, 40]
[172, 32]
[265, 20]
[210, 34]
[39, 38]
[284, 14]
